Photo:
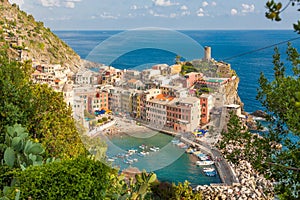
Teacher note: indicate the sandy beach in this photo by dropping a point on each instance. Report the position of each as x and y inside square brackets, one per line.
[124, 126]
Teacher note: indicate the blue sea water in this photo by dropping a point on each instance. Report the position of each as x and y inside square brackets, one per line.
[224, 44]
[170, 163]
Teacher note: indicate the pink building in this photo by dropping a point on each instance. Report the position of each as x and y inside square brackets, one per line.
[191, 78]
[183, 114]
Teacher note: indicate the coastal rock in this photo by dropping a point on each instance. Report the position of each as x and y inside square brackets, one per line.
[259, 113]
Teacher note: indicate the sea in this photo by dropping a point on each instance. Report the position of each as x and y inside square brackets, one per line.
[249, 52]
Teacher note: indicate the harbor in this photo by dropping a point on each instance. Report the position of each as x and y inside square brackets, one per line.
[133, 153]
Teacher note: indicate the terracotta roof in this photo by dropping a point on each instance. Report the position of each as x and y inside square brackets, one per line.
[164, 97]
[132, 81]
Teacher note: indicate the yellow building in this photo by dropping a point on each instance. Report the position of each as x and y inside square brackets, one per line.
[175, 69]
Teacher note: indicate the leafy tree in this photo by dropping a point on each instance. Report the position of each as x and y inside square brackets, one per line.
[53, 124]
[281, 98]
[38, 108]
[275, 9]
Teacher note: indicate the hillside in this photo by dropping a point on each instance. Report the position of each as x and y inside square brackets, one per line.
[28, 39]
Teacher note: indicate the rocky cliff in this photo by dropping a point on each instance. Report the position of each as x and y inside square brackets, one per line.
[231, 92]
[27, 39]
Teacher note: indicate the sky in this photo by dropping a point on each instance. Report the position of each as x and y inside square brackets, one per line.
[172, 14]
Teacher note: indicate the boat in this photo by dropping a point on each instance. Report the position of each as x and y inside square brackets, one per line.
[184, 147]
[189, 150]
[203, 158]
[211, 173]
[208, 169]
[120, 155]
[135, 160]
[110, 159]
[126, 161]
[132, 151]
[175, 141]
[154, 149]
[197, 153]
[206, 162]
[142, 146]
[143, 153]
[180, 144]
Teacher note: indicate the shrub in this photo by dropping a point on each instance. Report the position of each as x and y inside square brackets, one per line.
[80, 178]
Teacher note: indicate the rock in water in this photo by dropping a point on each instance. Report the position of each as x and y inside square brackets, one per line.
[259, 113]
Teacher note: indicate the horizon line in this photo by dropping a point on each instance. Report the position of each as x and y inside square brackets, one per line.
[271, 29]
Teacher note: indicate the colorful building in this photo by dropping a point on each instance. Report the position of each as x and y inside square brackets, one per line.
[191, 78]
[115, 99]
[157, 110]
[183, 114]
[206, 103]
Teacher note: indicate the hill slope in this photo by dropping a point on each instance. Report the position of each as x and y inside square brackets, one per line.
[27, 39]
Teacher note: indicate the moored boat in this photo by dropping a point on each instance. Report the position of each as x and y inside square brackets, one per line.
[142, 146]
[154, 149]
[189, 150]
[212, 173]
[110, 159]
[208, 169]
[204, 163]
[175, 141]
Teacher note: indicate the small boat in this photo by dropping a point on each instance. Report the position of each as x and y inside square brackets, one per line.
[175, 141]
[203, 158]
[189, 150]
[110, 159]
[197, 153]
[121, 155]
[141, 154]
[154, 149]
[126, 161]
[142, 146]
[135, 160]
[180, 144]
[208, 169]
[206, 162]
[144, 153]
[132, 151]
[184, 147]
[201, 155]
[212, 173]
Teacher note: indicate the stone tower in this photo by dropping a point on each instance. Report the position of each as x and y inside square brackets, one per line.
[207, 53]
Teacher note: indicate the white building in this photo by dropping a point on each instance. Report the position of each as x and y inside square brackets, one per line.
[156, 111]
[86, 77]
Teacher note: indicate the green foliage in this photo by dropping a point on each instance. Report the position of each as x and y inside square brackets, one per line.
[252, 147]
[275, 9]
[175, 192]
[143, 183]
[20, 150]
[89, 115]
[104, 119]
[281, 99]
[281, 96]
[80, 178]
[187, 69]
[41, 110]
[53, 124]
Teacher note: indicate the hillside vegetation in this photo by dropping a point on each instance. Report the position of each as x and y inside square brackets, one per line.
[28, 39]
